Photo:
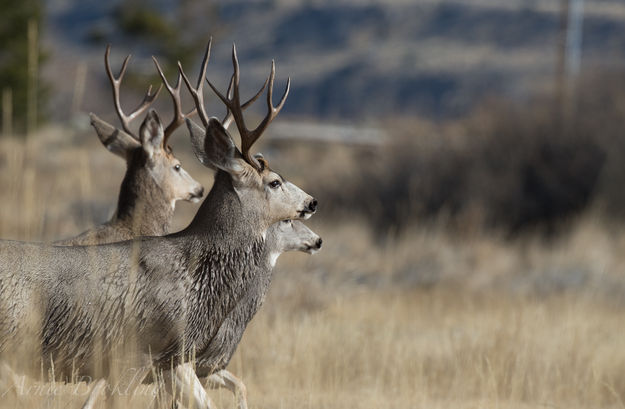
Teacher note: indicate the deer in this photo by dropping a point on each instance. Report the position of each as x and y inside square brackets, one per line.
[165, 299]
[154, 178]
[284, 236]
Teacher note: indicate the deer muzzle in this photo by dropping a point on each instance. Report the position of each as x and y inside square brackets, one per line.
[309, 209]
[196, 195]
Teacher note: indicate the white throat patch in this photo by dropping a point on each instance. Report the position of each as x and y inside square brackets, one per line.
[273, 257]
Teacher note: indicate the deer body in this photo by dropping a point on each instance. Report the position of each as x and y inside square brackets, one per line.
[253, 292]
[154, 178]
[281, 237]
[197, 288]
[143, 208]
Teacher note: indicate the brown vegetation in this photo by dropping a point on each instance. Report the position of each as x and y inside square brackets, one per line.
[509, 167]
[435, 317]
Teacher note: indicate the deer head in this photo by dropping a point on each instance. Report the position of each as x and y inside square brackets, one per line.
[258, 187]
[290, 235]
[148, 151]
[293, 235]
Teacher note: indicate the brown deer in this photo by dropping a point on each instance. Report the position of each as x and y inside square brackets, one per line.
[163, 300]
[154, 178]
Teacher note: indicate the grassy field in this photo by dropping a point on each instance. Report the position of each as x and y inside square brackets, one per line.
[427, 320]
[436, 349]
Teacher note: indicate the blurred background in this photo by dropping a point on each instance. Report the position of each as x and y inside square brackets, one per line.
[469, 160]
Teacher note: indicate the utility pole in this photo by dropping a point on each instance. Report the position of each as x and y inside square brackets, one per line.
[574, 39]
[569, 54]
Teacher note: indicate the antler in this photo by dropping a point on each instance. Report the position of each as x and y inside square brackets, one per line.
[198, 92]
[229, 117]
[116, 82]
[248, 137]
[179, 116]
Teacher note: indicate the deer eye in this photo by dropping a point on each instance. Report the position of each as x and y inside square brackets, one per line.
[177, 168]
[275, 184]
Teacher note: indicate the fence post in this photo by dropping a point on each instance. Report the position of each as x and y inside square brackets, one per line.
[7, 111]
[33, 72]
[79, 88]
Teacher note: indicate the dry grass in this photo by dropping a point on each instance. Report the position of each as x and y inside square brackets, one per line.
[430, 349]
[429, 320]
[437, 349]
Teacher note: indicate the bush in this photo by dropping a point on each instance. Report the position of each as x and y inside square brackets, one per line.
[510, 167]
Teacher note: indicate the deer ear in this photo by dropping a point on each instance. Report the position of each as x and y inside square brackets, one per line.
[197, 143]
[113, 139]
[214, 147]
[262, 162]
[151, 133]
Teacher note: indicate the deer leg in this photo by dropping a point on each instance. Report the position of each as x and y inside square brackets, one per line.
[184, 385]
[96, 391]
[125, 385]
[225, 379]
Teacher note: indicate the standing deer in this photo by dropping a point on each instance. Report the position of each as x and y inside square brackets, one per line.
[284, 236]
[167, 298]
[154, 178]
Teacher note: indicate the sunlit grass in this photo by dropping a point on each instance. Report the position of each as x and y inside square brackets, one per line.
[429, 320]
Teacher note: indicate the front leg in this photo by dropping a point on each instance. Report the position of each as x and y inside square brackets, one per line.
[96, 391]
[184, 386]
[225, 379]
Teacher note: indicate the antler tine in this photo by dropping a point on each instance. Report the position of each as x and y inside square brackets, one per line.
[234, 83]
[233, 104]
[252, 136]
[229, 117]
[174, 91]
[116, 83]
[198, 92]
[145, 104]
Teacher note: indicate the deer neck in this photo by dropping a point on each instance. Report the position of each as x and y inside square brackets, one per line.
[228, 240]
[142, 207]
[223, 250]
[231, 273]
[226, 259]
[223, 217]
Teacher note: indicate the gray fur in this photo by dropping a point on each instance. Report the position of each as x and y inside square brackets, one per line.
[193, 291]
[147, 193]
[153, 300]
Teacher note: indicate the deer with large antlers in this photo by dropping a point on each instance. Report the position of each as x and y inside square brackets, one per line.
[154, 178]
[160, 299]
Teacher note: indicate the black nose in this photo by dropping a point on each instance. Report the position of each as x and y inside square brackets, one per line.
[200, 192]
[313, 205]
[319, 242]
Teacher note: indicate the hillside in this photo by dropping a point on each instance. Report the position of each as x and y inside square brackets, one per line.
[361, 60]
